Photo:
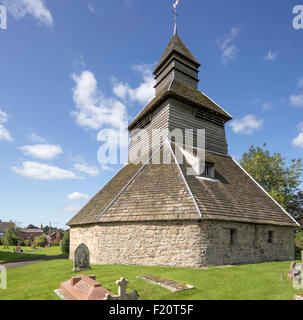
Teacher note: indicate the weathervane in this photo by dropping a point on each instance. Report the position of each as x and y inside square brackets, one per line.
[175, 14]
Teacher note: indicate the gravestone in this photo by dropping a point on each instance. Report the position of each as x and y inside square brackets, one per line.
[122, 294]
[295, 271]
[82, 287]
[81, 260]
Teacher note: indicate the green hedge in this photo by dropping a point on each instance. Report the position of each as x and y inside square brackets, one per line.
[65, 243]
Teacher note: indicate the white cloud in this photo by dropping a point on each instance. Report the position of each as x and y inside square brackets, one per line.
[298, 141]
[37, 139]
[72, 208]
[296, 100]
[42, 151]
[113, 137]
[246, 125]
[41, 171]
[106, 168]
[300, 83]
[267, 106]
[93, 109]
[3, 117]
[143, 93]
[85, 168]
[4, 133]
[35, 8]
[229, 50]
[77, 196]
[271, 56]
[90, 8]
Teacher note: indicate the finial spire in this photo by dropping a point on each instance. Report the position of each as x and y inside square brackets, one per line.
[175, 14]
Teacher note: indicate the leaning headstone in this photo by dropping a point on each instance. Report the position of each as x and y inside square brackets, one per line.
[122, 295]
[81, 260]
[295, 271]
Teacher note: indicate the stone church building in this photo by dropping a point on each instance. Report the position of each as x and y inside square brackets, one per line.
[157, 214]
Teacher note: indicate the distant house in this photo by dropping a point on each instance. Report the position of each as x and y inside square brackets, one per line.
[3, 227]
[56, 236]
[31, 234]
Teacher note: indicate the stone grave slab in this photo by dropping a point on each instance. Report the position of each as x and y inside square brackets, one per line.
[81, 259]
[171, 285]
[82, 287]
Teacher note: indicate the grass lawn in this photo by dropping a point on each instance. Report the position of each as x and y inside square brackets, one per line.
[249, 282]
[10, 255]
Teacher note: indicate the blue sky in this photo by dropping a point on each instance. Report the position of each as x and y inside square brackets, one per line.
[70, 69]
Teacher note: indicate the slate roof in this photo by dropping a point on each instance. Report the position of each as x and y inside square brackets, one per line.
[237, 197]
[163, 192]
[176, 44]
[31, 230]
[3, 226]
[182, 92]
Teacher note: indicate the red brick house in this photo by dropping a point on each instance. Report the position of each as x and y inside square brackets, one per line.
[56, 236]
[31, 234]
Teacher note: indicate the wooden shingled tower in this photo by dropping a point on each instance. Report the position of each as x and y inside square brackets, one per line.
[157, 214]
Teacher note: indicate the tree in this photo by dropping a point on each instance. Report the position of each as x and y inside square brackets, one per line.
[65, 243]
[295, 207]
[39, 241]
[272, 173]
[11, 236]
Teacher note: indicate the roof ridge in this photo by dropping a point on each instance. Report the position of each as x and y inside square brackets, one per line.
[184, 179]
[276, 202]
[129, 182]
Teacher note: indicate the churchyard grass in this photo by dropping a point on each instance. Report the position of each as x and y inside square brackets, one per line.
[249, 282]
[8, 255]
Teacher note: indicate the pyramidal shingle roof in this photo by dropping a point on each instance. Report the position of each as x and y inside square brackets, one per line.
[180, 91]
[176, 44]
[163, 192]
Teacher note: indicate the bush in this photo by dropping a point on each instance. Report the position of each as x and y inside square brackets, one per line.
[27, 243]
[20, 242]
[55, 244]
[298, 245]
[40, 241]
[65, 243]
[1, 242]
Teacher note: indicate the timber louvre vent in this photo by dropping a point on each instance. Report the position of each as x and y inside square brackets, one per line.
[208, 117]
[142, 124]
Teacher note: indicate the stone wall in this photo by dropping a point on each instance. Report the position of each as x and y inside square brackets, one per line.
[182, 244]
[148, 243]
[251, 244]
